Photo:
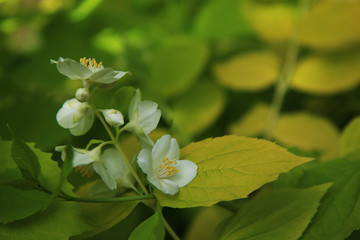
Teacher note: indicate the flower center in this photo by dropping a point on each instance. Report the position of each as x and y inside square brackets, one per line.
[85, 170]
[167, 168]
[91, 64]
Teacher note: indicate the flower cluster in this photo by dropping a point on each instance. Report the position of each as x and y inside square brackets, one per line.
[159, 161]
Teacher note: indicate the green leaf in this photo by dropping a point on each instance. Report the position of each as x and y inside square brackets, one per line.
[229, 167]
[8, 170]
[152, 229]
[18, 204]
[327, 74]
[220, 19]
[281, 214]
[350, 140]
[25, 159]
[59, 222]
[176, 66]
[252, 71]
[122, 98]
[337, 216]
[204, 102]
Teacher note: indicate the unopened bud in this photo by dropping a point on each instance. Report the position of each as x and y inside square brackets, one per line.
[82, 94]
[113, 117]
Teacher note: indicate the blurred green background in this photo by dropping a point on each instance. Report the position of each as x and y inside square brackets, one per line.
[211, 65]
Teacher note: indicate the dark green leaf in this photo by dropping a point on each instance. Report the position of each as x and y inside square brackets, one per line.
[18, 204]
[122, 98]
[25, 159]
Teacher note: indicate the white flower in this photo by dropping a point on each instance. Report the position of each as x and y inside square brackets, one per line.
[109, 165]
[163, 167]
[87, 70]
[113, 117]
[82, 94]
[78, 117]
[143, 115]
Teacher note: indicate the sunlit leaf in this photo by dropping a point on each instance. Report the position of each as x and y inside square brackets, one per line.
[198, 108]
[325, 75]
[341, 29]
[17, 204]
[281, 214]
[253, 123]
[152, 229]
[350, 140]
[274, 22]
[176, 66]
[229, 167]
[250, 71]
[337, 216]
[308, 132]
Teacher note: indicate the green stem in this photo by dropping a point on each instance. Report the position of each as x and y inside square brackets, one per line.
[108, 200]
[118, 147]
[287, 72]
[170, 230]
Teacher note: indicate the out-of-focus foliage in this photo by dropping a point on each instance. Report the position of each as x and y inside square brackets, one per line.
[207, 64]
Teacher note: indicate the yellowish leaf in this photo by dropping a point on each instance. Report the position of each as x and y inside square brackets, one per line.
[332, 24]
[274, 22]
[325, 75]
[308, 132]
[251, 71]
[350, 140]
[229, 167]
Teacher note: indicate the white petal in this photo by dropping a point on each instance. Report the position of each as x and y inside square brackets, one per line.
[187, 171]
[148, 116]
[146, 162]
[133, 107]
[106, 75]
[165, 147]
[114, 163]
[65, 115]
[84, 125]
[81, 157]
[104, 174]
[165, 185]
[73, 69]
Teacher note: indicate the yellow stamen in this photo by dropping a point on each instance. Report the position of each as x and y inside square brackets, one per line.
[90, 63]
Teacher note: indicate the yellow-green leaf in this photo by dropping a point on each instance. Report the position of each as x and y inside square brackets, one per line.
[325, 75]
[350, 140]
[251, 71]
[198, 108]
[332, 24]
[274, 22]
[253, 123]
[308, 132]
[229, 167]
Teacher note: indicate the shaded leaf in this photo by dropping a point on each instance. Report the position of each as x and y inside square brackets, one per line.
[350, 140]
[25, 159]
[18, 204]
[229, 167]
[337, 216]
[281, 214]
[198, 108]
[176, 66]
[152, 229]
[122, 98]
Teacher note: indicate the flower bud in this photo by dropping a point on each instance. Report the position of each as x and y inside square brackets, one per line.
[113, 117]
[82, 94]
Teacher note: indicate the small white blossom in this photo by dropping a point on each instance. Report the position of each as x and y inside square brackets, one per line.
[76, 116]
[113, 117]
[163, 167]
[109, 165]
[82, 94]
[87, 70]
